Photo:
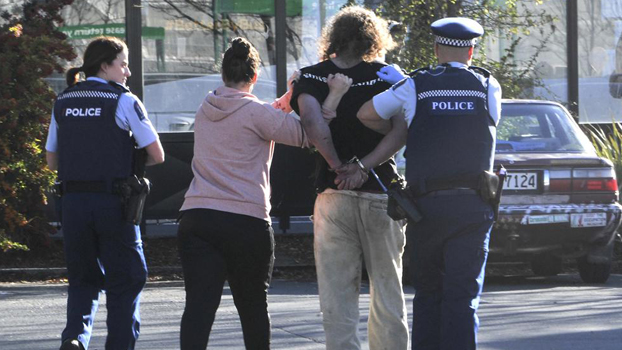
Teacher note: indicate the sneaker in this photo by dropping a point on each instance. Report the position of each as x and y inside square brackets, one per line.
[71, 344]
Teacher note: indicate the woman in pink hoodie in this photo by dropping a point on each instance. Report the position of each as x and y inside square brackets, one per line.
[225, 230]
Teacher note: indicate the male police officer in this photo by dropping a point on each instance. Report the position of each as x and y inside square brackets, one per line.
[452, 112]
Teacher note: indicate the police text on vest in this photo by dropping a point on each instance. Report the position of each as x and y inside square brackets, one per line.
[453, 106]
[83, 112]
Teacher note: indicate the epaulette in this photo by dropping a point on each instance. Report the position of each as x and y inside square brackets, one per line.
[119, 86]
[483, 71]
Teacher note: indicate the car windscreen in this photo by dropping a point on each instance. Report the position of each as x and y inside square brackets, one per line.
[538, 128]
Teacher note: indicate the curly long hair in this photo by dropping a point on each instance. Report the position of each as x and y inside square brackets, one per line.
[356, 32]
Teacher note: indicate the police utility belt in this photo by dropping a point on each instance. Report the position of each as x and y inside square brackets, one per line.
[403, 200]
[133, 191]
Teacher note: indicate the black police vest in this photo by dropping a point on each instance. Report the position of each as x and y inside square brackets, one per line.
[91, 146]
[452, 134]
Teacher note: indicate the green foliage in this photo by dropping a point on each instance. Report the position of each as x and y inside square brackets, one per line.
[515, 126]
[31, 48]
[608, 143]
[500, 19]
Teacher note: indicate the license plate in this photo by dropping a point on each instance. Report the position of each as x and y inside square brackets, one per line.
[588, 220]
[521, 181]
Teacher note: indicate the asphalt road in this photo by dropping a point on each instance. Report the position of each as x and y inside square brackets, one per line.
[516, 313]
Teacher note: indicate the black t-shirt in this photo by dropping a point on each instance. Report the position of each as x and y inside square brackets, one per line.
[350, 136]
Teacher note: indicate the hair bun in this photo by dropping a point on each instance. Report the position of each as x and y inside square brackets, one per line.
[240, 62]
[240, 48]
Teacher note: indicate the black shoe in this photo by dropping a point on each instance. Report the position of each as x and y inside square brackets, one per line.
[71, 344]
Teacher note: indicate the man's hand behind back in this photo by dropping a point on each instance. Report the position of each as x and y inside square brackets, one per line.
[350, 177]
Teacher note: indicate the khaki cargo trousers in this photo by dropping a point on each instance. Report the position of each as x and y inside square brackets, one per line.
[350, 228]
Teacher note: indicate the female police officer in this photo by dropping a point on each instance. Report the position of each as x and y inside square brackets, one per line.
[94, 126]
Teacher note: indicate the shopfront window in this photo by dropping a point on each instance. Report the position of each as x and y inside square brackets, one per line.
[181, 70]
[548, 45]
[85, 20]
[305, 21]
[600, 61]
[183, 42]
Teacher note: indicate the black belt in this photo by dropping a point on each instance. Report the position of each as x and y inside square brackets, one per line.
[446, 186]
[442, 184]
[452, 192]
[91, 187]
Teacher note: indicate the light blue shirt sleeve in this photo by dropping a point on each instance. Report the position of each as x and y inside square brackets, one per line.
[51, 145]
[132, 115]
[494, 100]
[400, 97]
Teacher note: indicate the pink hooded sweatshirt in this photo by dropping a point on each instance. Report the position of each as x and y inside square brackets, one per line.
[234, 136]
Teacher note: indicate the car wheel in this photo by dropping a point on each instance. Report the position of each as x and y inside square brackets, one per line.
[593, 272]
[546, 265]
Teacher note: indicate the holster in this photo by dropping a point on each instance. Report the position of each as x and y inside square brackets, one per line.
[134, 193]
[57, 192]
[501, 173]
[487, 186]
[57, 189]
[490, 186]
[401, 203]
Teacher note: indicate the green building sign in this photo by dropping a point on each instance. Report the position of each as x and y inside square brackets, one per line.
[258, 7]
[112, 29]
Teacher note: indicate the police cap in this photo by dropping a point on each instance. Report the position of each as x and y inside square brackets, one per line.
[457, 31]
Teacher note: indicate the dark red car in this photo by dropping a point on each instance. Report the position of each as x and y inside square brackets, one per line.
[560, 200]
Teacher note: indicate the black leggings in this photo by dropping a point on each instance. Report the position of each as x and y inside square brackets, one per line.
[216, 246]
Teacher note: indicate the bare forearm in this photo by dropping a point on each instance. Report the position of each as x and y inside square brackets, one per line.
[331, 102]
[338, 85]
[282, 102]
[155, 153]
[319, 135]
[369, 117]
[390, 144]
[353, 176]
[52, 160]
[317, 130]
